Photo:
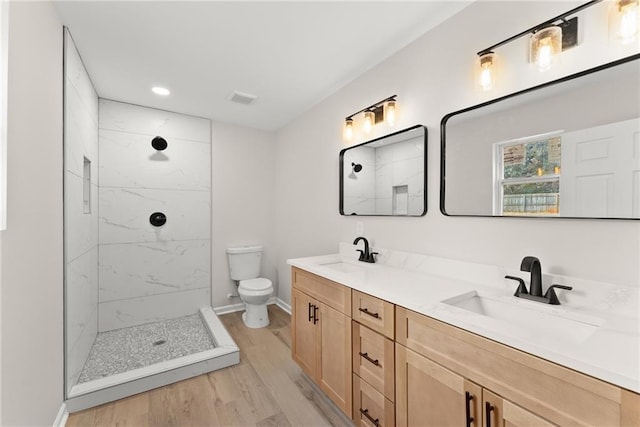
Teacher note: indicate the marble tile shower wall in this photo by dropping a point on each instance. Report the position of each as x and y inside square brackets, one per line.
[149, 273]
[372, 189]
[80, 220]
[400, 165]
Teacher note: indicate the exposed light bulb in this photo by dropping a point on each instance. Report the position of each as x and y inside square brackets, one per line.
[369, 118]
[390, 112]
[545, 54]
[486, 71]
[628, 28]
[348, 129]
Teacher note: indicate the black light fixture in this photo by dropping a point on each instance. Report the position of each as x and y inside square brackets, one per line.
[373, 114]
[548, 39]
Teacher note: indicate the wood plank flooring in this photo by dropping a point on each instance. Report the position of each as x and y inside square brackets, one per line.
[266, 389]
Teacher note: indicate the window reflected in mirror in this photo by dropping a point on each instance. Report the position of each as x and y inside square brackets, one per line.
[568, 148]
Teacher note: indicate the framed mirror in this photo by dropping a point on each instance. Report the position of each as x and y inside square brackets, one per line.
[385, 176]
[567, 148]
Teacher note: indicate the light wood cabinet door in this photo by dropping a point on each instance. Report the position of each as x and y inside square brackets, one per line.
[304, 341]
[498, 412]
[429, 395]
[334, 364]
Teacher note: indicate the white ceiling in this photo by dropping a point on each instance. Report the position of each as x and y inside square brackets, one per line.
[290, 54]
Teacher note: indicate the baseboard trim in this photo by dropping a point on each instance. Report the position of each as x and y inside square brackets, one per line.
[62, 417]
[232, 308]
[283, 305]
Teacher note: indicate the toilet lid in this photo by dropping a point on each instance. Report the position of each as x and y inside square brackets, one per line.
[259, 284]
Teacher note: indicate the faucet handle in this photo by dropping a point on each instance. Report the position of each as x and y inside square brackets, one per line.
[371, 256]
[361, 254]
[551, 294]
[522, 288]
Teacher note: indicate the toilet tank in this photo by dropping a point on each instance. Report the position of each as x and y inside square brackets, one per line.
[244, 262]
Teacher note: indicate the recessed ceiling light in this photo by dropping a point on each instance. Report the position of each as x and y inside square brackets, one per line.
[160, 90]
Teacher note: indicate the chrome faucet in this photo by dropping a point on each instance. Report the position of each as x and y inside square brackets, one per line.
[365, 256]
[532, 264]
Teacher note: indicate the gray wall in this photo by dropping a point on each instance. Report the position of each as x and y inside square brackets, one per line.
[31, 264]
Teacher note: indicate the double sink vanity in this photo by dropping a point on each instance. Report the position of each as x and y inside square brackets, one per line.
[415, 340]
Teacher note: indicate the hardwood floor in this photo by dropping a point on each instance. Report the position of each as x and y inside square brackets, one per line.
[266, 389]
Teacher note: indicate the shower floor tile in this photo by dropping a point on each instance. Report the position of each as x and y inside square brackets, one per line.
[122, 350]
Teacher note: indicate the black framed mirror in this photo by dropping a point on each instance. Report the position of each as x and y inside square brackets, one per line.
[568, 148]
[386, 176]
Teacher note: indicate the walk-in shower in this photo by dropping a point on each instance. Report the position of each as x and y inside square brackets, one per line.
[137, 207]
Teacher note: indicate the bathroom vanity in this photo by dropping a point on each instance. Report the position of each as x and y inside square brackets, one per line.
[401, 343]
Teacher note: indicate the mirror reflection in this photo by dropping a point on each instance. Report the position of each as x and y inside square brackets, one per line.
[569, 148]
[385, 176]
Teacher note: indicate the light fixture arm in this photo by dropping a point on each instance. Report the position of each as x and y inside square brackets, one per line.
[377, 104]
[539, 26]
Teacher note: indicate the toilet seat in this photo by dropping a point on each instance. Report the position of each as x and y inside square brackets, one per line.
[259, 284]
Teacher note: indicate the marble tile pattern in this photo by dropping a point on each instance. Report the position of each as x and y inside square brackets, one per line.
[122, 350]
[149, 273]
[383, 168]
[81, 229]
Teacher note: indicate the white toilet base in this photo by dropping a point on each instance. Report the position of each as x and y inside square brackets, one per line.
[255, 316]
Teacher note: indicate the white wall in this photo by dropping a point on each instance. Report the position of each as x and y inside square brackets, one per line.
[81, 227]
[243, 205]
[149, 273]
[432, 77]
[31, 263]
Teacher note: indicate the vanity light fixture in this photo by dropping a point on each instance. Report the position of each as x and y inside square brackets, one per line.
[625, 20]
[348, 128]
[390, 112]
[545, 45]
[385, 110]
[486, 76]
[547, 40]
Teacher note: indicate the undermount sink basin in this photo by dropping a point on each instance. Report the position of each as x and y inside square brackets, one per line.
[344, 267]
[524, 320]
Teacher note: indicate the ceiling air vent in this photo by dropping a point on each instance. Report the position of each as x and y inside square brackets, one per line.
[242, 98]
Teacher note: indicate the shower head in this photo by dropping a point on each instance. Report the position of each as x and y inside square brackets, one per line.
[159, 143]
[357, 167]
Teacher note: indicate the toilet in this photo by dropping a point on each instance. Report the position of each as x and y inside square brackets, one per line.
[254, 291]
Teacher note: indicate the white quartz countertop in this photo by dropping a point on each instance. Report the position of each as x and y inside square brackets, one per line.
[595, 331]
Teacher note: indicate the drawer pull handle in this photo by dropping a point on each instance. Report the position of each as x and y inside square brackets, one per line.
[366, 356]
[468, 399]
[375, 421]
[310, 312]
[488, 408]
[315, 314]
[365, 311]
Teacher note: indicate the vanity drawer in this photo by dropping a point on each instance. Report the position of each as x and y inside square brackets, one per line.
[331, 293]
[370, 408]
[373, 312]
[373, 359]
[556, 393]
